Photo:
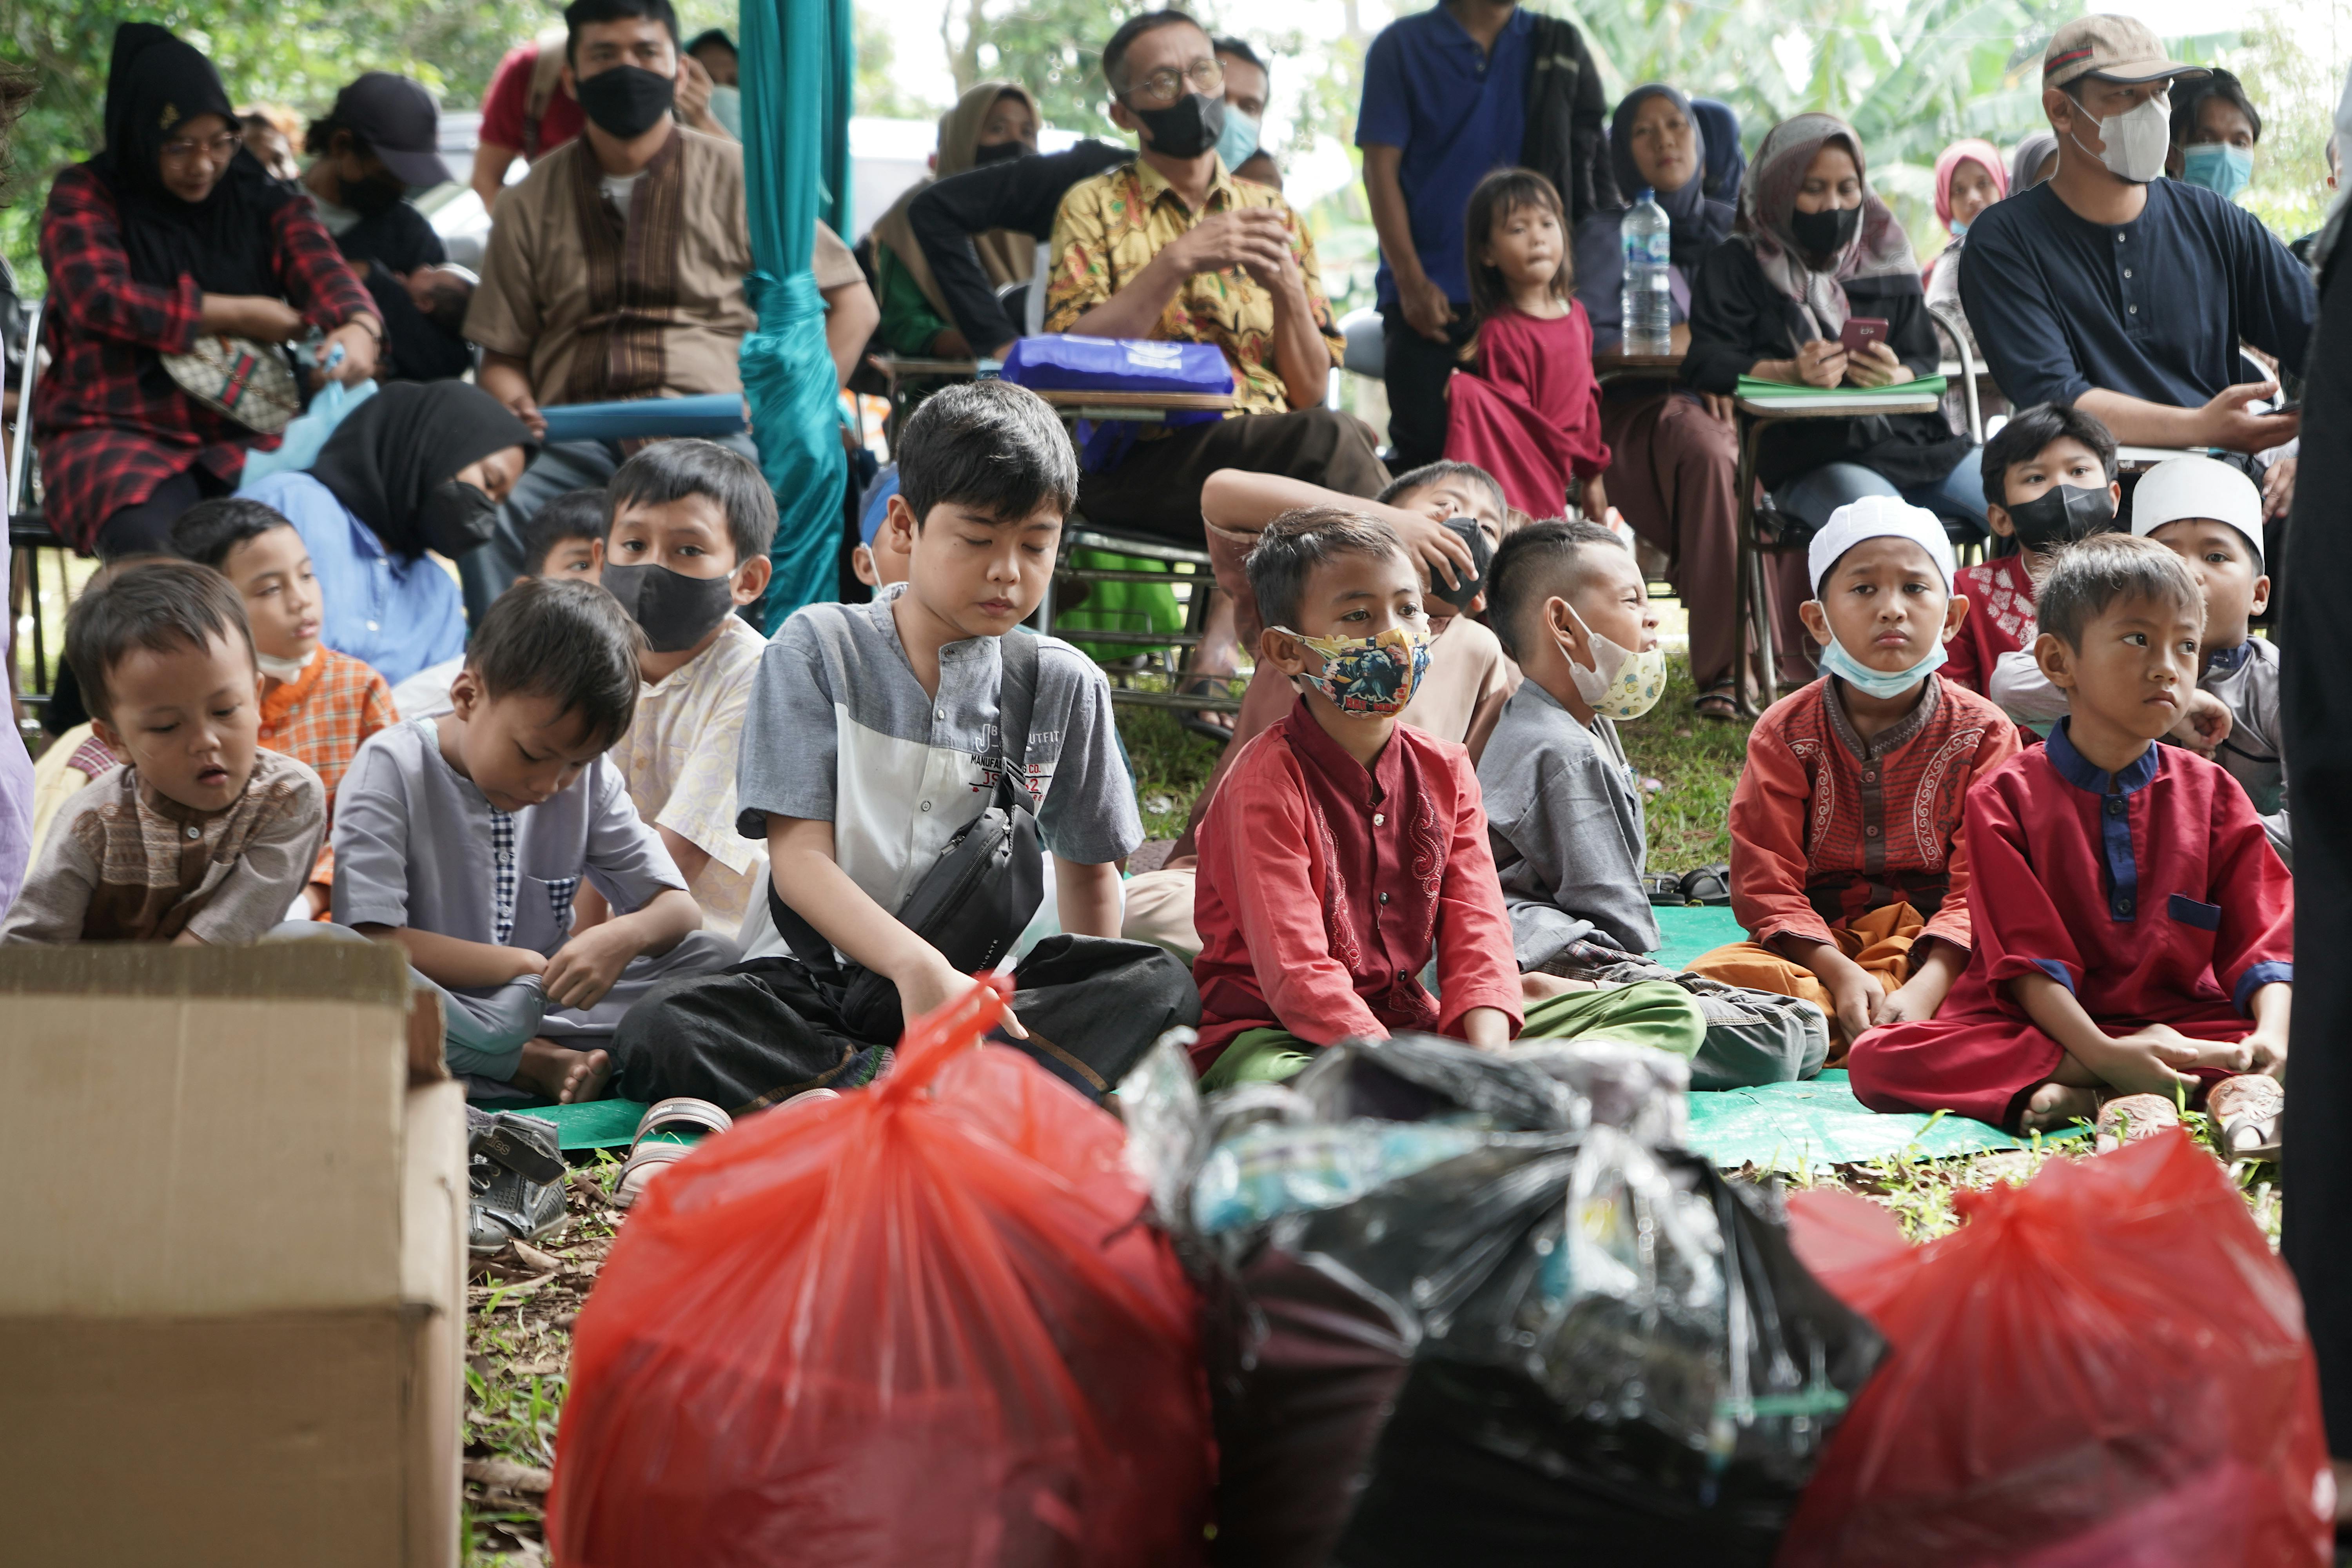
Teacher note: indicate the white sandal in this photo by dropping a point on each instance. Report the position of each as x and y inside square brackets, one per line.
[647, 1158]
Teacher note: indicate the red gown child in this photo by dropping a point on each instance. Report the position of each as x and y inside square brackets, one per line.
[1530, 416]
[2155, 896]
[1999, 620]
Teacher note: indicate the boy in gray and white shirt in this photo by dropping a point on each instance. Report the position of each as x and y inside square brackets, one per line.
[871, 740]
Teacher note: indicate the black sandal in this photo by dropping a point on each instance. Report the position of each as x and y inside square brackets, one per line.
[1198, 722]
[1707, 885]
[1720, 700]
[1660, 888]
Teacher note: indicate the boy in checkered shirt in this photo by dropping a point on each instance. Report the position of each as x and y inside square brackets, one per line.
[464, 839]
[317, 705]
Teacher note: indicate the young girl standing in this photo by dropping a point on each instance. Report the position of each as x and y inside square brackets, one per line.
[1529, 410]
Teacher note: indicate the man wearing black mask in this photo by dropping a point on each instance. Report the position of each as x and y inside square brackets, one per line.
[1171, 246]
[615, 268]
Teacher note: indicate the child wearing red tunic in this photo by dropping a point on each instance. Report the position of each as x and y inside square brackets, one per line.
[2133, 927]
[1849, 868]
[2049, 479]
[1531, 412]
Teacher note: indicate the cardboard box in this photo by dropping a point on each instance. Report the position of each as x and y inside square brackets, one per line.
[232, 1289]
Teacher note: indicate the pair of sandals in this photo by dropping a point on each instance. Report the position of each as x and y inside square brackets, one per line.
[2242, 1112]
[1710, 884]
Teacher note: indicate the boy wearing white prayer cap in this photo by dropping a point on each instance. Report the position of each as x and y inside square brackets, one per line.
[1849, 868]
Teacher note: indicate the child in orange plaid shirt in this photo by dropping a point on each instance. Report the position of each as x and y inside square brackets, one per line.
[317, 705]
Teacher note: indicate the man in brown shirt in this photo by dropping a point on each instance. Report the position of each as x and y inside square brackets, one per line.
[615, 268]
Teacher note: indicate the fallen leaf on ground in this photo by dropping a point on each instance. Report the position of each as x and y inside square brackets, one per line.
[508, 1476]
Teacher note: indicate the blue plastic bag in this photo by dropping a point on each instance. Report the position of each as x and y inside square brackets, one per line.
[1119, 365]
[306, 433]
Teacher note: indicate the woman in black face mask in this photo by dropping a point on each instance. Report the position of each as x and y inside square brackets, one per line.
[418, 467]
[1813, 249]
[365, 154]
[995, 120]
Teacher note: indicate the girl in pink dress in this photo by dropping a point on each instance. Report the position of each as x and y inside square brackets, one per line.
[1528, 412]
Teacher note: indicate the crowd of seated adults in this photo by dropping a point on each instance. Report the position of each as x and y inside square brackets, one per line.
[615, 267]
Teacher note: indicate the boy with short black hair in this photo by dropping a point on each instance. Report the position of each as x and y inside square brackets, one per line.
[317, 705]
[464, 839]
[563, 539]
[2210, 515]
[692, 522]
[201, 835]
[2049, 479]
[879, 733]
[1345, 850]
[1849, 865]
[2133, 927]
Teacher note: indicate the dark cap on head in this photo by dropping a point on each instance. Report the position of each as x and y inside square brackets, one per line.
[400, 123]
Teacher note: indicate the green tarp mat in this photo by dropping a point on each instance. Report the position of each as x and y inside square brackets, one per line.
[1691, 930]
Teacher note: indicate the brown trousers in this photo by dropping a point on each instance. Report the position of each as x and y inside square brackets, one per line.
[1674, 472]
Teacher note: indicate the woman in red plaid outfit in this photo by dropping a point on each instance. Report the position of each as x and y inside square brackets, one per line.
[172, 233]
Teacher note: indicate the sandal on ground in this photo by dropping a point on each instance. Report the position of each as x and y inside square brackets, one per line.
[681, 1112]
[1202, 723]
[2128, 1118]
[1662, 887]
[514, 1179]
[2243, 1112]
[1720, 700]
[1710, 884]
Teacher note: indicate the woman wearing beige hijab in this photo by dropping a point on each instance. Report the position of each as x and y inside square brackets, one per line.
[994, 120]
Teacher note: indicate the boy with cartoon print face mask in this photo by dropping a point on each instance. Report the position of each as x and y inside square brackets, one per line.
[1345, 851]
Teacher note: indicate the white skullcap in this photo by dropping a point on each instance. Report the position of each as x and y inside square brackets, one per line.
[2179, 488]
[1878, 517]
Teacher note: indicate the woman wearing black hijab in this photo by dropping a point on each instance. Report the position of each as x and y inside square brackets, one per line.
[418, 467]
[172, 233]
[1676, 455]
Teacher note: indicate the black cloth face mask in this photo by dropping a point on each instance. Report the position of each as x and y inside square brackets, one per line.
[677, 611]
[376, 194]
[625, 102]
[996, 153]
[2060, 516]
[456, 516]
[1185, 129]
[1827, 232]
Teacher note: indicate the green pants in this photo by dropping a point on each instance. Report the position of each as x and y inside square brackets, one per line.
[1653, 1012]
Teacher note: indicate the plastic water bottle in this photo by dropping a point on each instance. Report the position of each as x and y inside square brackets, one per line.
[1648, 302]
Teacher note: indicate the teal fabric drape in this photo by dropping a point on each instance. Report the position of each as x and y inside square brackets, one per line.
[796, 71]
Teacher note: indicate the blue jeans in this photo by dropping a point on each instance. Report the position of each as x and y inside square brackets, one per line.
[1959, 495]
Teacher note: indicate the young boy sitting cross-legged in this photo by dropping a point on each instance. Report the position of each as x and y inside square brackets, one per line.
[2134, 927]
[200, 834]
[875, 733]
[464, 839]
[1849, 868]
[1345, 850]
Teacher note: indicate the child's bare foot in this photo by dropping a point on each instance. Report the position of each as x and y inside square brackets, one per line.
[1534, 988]
[563, 1075]
[2056, 1107]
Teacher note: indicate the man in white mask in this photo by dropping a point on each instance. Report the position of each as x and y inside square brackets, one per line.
[2124, 294]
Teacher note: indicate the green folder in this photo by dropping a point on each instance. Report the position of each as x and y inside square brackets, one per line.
[1765, 391]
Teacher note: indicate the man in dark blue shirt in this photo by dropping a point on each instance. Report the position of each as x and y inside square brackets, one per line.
[2124, 294]
[1444, 103]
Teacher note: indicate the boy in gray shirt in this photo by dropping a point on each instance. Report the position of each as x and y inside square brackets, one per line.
[1564, 811]
[464, 839]
[874, 736]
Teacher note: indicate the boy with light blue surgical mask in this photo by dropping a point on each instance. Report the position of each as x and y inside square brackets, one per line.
[1849, 868]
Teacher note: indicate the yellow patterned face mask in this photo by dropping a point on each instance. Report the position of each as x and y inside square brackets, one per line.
[1368, 677]
[1624, 684]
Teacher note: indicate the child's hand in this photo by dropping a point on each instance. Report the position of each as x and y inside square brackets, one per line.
[936, 984]
[2154, 1059]
[1934, 968]
[1854, 994]
[527, 962]
[2205, 722]
[2266, 1052]
[584, 968]
[1593, 500]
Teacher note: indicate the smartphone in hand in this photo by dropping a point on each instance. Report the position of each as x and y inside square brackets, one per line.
[1860, 332]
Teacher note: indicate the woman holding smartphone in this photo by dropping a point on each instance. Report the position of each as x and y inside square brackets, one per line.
[1818, 286]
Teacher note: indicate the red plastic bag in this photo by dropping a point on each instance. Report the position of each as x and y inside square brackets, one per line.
[2106, 1368]
[921, 1323]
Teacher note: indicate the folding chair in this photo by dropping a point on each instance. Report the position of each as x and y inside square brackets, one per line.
[1752, 599]
[1181, 569]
